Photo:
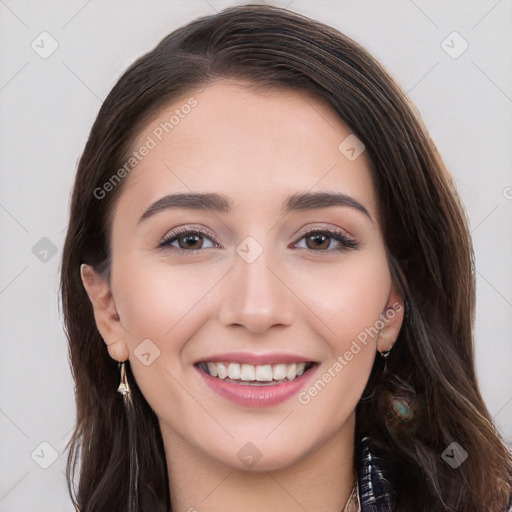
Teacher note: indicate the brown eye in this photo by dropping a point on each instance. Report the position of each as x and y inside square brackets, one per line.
[322, 240]
[191, 241]
[188, 241]
[318, 241]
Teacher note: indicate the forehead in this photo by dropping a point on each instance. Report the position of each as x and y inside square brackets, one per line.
[255, 146]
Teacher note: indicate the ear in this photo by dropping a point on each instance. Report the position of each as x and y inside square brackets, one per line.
[105, 313]
[392, 317]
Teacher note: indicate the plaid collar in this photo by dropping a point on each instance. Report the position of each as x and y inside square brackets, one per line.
[375, 490]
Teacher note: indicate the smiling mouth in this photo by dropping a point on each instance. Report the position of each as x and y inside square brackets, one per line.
[255, 375]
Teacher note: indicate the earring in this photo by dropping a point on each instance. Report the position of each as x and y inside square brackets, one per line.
[385, 354]
[123, 388]
[133, 490]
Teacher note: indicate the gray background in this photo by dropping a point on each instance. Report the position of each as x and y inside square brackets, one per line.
[47, 106]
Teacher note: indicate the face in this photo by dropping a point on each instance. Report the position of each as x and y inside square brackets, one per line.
[253, 318]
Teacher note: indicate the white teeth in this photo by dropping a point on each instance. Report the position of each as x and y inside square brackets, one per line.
[255, 373]
[291, 371]
[222, 371]
[212, 368]
[248, 372]
[234, 371]
[264, 373]
[279, 372]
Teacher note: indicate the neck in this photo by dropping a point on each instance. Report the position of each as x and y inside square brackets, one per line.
[321, 480]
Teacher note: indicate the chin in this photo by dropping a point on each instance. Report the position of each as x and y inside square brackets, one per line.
[257, 454]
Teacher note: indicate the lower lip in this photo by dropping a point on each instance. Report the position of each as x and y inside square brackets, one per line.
[257, 396]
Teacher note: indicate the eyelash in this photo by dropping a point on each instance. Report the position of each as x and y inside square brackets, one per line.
[346, 242]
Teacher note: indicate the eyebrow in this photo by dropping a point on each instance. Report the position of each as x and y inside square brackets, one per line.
[223, 204]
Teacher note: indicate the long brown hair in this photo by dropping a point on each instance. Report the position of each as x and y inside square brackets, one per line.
[431, 368]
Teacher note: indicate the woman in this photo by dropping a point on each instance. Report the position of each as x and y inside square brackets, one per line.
[266, 249]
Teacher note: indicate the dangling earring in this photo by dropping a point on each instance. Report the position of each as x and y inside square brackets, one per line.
[124, 387]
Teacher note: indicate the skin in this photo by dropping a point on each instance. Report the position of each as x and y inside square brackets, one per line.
[256, 148]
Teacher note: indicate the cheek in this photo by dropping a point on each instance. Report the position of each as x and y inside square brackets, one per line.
[347, 304]
[347, 298]
[163, 304]
[161, 308]
[154, 295]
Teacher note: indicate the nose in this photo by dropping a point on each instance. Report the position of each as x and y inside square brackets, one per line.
[256, 295]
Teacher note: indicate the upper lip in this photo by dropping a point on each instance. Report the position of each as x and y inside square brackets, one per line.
[255, 359]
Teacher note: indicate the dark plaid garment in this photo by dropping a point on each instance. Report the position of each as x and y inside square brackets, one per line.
[375, 489]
